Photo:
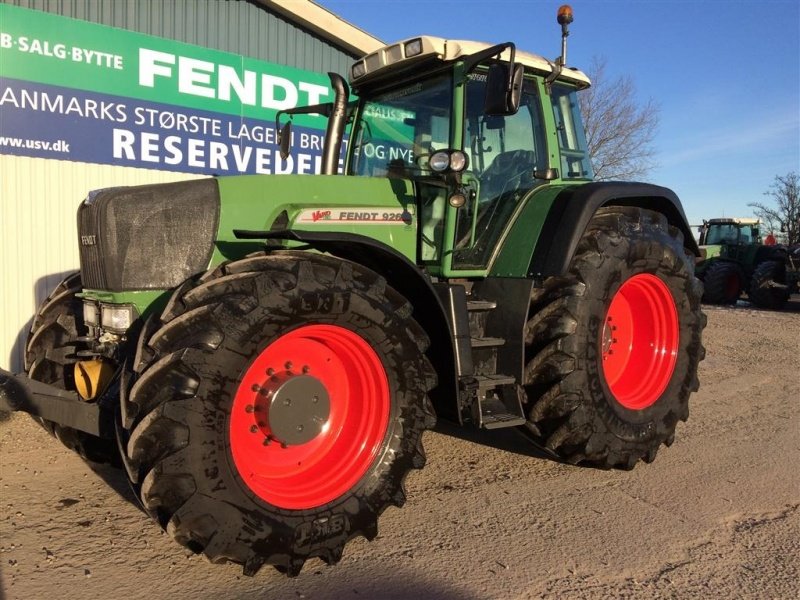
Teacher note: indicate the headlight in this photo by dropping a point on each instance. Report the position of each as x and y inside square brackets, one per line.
[413, 47]
[440, 161]
[448, 160]
[458, 161]
[90, 316]
[117, 317]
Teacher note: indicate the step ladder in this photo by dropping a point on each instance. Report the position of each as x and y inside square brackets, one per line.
[495, 400]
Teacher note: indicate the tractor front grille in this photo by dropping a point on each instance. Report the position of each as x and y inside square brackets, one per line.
[147, 237]
[91, 264]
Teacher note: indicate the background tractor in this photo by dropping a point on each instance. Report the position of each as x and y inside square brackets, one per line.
[735, 261]
[262, 354]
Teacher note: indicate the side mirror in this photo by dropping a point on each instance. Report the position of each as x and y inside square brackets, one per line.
[503, 89]
[285, 140]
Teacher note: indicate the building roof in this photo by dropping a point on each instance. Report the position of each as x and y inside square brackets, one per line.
[325, 24]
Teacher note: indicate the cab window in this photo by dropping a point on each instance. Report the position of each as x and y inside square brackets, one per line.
[575, 160]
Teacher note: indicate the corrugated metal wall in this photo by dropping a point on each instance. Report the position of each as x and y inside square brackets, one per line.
[39, 198]
[229, 25]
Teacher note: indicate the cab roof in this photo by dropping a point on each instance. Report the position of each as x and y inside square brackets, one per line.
[393, 55]
[734, 220]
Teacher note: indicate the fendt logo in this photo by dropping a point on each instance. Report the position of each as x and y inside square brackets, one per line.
[88, 240]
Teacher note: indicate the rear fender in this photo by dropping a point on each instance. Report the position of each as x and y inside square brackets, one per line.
[573, 208]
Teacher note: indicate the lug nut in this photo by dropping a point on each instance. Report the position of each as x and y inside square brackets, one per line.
[253, 428]
[306, 368]
[270, 372]
[249, 408]
[288, 365]
[256, 387]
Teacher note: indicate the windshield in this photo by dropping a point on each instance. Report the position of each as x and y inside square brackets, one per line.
[730, 233]
[398, 130]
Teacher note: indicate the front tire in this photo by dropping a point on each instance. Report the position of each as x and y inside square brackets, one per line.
[235, 458]
[613, 347]
[723, 283]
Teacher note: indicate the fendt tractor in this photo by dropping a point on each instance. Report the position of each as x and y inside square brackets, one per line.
[262, 354]
[734, 261]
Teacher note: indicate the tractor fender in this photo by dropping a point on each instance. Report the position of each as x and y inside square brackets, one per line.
[573, 208]
[407, 279]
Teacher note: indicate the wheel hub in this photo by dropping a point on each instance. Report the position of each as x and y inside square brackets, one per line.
[295, 407]
[608, 340]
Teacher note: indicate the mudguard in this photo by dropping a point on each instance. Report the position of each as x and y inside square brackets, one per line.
[574, 207]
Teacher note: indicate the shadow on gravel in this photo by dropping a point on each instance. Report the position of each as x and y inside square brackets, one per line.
[324, 584]
[791, 306]
[510, 439]
[117, 480]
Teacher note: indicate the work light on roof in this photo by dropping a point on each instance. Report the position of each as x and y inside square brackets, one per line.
[358, 69]
[413, 47]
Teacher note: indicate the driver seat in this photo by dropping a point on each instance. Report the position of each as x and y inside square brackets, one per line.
[506, 167]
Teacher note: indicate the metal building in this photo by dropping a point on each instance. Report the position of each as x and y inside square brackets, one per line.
[97, 93]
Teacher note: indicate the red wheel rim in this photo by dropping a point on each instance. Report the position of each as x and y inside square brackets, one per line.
[639, 341]
[318, 470]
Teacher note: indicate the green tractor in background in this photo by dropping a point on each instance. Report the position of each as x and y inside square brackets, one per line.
[735, 262]
[262, 354]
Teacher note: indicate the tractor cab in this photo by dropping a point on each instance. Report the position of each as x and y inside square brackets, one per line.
[730, 237]
[466, 123]
[730, 231]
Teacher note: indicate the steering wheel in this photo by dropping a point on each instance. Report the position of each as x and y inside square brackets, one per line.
[507, 165]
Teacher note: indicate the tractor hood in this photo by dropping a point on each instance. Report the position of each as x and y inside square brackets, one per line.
[711, 251]
[154, 237]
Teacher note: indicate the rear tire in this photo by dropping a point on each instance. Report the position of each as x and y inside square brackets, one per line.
[50, 354]
[723, 283]
[585, 403]
[204, 405]
[761, 294]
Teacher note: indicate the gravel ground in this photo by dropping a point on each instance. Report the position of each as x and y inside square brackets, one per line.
[716, 515]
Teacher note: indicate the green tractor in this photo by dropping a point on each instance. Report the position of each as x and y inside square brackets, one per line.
[262, 354]
[734, 261]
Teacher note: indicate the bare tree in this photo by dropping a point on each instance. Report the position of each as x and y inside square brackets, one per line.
[619, 130]
[786, 210]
